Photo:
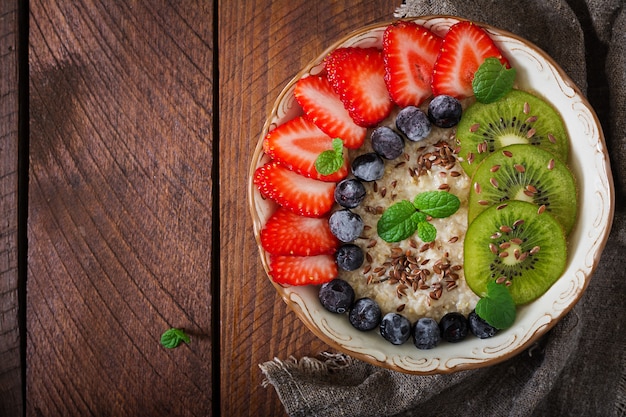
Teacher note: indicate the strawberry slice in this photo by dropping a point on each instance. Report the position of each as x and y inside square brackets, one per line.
[410, 51]
[302, 195]
[297, 144]
[358, 76]
[302, 270]
[322, 106]
[464, 48]
[287, 233]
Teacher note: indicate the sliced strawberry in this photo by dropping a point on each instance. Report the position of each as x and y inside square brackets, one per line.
[323, 106]
[297, 144]
[410, 51]
[287, 233]
[358, 76]
[302, 270]
[464, 48]
[302, 195]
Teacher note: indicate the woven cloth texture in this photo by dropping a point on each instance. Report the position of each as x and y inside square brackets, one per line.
[577, 368]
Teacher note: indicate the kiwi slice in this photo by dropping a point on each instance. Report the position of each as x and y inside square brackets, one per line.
[517, 118]
[527, 173]
[517, 244]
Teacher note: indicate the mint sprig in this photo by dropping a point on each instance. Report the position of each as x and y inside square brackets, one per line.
[401, 220]
[330, 161]
[171, 338]
[497, 307]
[492, 81]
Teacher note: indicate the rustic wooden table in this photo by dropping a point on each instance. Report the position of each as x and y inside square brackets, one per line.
[126, 133]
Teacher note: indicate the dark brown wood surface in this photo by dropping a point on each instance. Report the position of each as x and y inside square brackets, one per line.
[142, 120]
[10, 358]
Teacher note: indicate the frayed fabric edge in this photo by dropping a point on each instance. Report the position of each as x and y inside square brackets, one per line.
[620, 401]
[327, 362]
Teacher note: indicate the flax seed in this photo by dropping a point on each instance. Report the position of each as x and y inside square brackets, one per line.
[505, 229]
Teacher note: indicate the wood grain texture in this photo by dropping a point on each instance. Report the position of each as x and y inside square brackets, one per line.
[120, 205]
[261, 47]
[10, 357]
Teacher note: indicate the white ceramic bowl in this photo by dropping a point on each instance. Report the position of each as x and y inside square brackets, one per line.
[589, 162]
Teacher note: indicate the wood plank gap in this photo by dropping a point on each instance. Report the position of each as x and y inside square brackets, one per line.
[22, 181]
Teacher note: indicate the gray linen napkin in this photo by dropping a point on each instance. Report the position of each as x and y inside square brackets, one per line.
[578, 368]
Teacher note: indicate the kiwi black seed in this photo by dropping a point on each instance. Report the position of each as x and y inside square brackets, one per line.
[515, 244]
[517, 118]
[527, 173]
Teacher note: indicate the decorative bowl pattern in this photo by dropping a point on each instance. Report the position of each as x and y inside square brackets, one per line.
[588, 161]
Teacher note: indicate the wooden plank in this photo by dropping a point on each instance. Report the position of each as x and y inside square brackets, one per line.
[11, 401]
[120, 205]
[261, 47]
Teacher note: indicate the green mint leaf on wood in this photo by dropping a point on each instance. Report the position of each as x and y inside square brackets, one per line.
[173, 337]
[330, 161]
[438, 204]
[492, 81]
[497, 307]
[399, 221]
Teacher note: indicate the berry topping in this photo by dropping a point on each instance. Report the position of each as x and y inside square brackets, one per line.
[395, 328]
[287, 233]
[322, 106]
[426, 333]
[465, 46]
[413, 123]
[346, 225]
[349, 257]
[453, 327]
[409, 51]
[297, 144]
[336, 296]
[302, 195]
[479, 327]
[445, 111]
[365, 314]
[302, 270]
[368, 167]
[387, 143]
[357, 75]
[350, 193]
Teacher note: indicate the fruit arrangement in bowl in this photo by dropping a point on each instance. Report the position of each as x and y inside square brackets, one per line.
[431, 195]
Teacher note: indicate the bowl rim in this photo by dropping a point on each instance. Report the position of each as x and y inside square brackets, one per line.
[258, 223]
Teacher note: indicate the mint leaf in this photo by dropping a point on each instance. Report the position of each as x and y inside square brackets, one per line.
[330, 161]
[173, 337]
[438, 204]
[492, 81]
[497, 307]
[426, 231]
[399, 221]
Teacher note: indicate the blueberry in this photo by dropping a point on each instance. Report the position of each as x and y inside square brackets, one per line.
[479, 327]
[345, 225]
[337, 296]
[395, 328]
[426, 333]
[368, 167]
[387, 143]
[365, 314]
[349, 257]
[453, 327]
[445, 111]
[414, 123]
[349, 193]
